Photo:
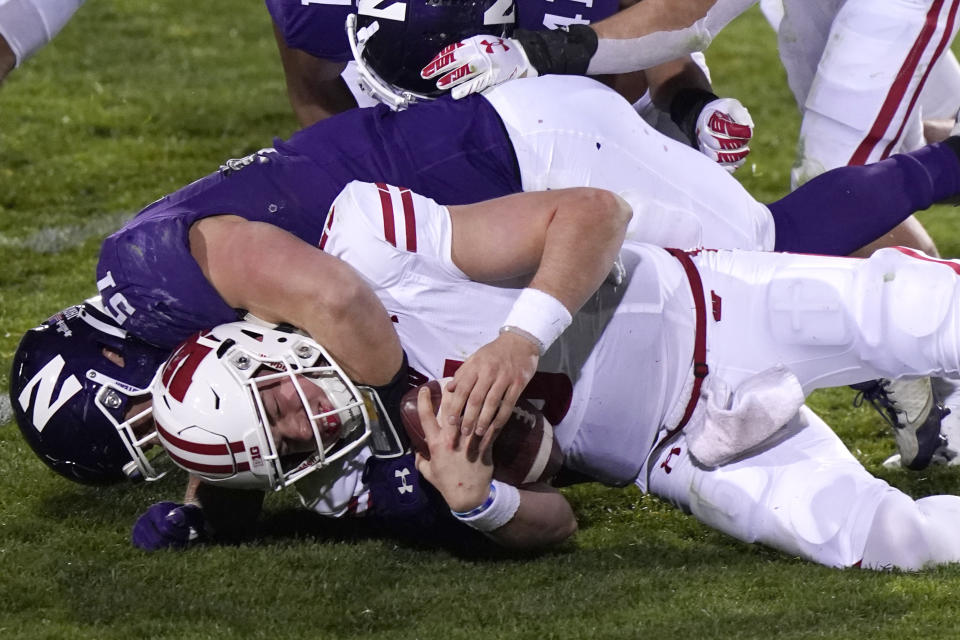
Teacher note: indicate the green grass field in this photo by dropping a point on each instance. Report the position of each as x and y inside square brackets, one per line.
[136, 98]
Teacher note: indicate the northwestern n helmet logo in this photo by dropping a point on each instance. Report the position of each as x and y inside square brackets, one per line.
[44, 406]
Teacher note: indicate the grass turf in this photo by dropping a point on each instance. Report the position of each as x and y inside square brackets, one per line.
[135, 99]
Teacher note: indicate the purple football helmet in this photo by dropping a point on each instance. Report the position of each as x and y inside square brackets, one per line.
[71, 400]
[391, 42]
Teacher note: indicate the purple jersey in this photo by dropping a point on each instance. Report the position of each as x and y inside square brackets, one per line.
[456, 152]
[552, 14]
[317, 26]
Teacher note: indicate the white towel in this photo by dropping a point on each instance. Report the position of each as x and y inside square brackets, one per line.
[728, 422]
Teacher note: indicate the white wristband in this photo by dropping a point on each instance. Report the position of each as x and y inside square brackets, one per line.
[501, 505]
[539, 315]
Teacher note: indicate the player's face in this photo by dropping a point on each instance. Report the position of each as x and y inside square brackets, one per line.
[288, 419]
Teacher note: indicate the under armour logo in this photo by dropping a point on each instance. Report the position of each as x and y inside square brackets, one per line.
[402, 474]
[665, 465]
[497, 43]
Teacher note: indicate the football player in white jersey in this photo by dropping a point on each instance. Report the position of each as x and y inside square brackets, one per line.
[857, 69]
[865, 74]
[687, 378]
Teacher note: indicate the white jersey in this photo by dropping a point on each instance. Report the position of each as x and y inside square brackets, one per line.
[560, 142]
[606, 420]
[621, 375]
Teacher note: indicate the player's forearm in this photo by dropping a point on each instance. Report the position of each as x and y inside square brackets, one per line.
[314, 86]
[190, 493]
[653, 32]
[581, 244]
[280, 278]
[7, 59]
[543, 518]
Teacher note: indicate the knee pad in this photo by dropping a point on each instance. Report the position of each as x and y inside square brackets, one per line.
[806, 496]
[898, 311]
[908, 312]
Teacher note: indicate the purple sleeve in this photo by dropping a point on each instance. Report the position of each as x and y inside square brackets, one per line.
[842, 210]
[315, 28]
[150, 281]
[147, 276]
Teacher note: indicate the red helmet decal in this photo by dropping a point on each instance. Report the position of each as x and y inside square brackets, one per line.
[179, 369]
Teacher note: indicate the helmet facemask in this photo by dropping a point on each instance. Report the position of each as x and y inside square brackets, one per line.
[115, 401]
[335, 410]
[370, 81]
[220, 422]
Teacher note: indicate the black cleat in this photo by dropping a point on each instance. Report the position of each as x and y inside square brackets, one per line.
[909, 407]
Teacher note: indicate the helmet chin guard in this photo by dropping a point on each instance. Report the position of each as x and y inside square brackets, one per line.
[216, 409]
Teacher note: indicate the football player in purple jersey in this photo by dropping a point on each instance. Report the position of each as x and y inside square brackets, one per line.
[315, 52]
[245, 239]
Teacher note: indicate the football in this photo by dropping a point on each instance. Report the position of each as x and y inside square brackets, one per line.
[524, 452]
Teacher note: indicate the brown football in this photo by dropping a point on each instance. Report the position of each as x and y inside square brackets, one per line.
[524, 452]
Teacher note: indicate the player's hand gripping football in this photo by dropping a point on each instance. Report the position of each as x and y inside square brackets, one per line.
[479, 62]
[724, 129]
[459, 473]
[485, 388]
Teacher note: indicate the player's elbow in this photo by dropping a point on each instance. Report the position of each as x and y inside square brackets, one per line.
[604, 210]
[564, 529]
[545, 519]
[342, 297]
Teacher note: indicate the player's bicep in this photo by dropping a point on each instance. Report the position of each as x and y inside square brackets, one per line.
[280, 278]
[504, 238]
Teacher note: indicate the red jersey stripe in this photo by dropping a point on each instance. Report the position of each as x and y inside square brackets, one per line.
[409, 220]
[386, 204]
[326, 229]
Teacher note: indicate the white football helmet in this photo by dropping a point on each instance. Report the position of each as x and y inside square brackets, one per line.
[210, 412]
